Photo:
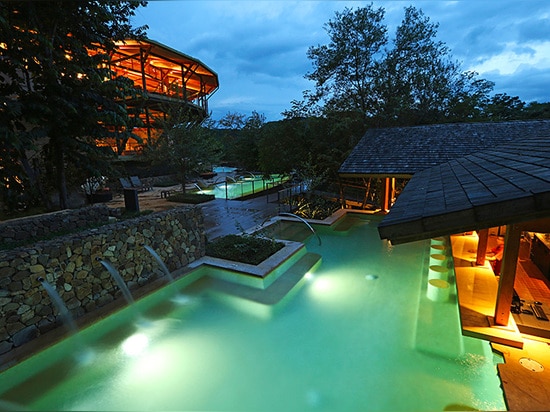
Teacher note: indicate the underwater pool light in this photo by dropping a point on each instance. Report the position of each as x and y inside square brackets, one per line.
[135, 344]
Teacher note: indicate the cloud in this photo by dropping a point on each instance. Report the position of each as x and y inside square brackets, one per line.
[534, 30]
[514, 57]
[528, 83]
[258, 48]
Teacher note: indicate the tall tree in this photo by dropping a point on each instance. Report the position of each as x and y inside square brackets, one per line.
[417, 74]
[345, 68]
[56, 80]
[412, 80]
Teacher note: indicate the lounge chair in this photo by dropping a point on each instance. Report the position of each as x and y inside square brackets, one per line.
[137, 184]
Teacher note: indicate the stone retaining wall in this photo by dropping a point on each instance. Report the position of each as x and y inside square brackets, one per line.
[70, 265]
[28, 228]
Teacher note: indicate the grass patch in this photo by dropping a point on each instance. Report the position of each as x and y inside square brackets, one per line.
[193, 198]
[244, 249]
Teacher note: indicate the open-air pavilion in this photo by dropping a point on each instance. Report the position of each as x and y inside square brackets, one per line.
[400, 152]
[494, 181]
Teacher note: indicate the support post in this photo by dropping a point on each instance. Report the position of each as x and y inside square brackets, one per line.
[387, 194]
[483, 238]
[507, 275]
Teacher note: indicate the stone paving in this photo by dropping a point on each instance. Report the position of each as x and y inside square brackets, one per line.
[221, 216]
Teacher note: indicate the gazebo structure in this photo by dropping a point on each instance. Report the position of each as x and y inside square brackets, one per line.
[471, 184]
[163, 76]
[464, 177]
[508, 186]
[400, 152]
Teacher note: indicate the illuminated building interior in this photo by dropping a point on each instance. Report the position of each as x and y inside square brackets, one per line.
[168, 77]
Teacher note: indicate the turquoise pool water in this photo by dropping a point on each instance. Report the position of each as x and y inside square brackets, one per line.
[356, 334]
[244, 186]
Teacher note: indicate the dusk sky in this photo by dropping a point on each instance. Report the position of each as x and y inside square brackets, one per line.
[258, 48]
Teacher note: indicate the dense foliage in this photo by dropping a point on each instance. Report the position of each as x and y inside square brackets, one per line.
[58, 94]
[184, 145]
[315, 207]
[408, 80]
[245, 249]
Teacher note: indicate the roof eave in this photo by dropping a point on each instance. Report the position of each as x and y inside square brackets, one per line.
[514, 211]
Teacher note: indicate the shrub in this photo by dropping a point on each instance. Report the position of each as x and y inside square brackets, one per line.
[244, 249]
[316, 207]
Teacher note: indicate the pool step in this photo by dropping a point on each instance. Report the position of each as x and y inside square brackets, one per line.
[438, 329]
[276, 291]
[296, 232]
[345, 225]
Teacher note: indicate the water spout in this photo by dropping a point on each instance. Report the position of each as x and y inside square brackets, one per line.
[304, 221]
[179, 298]
[68, 320]
[198, 187]
[118, 279]
[160, 262]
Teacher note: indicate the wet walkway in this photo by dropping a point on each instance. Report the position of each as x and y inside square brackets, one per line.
[223, 217]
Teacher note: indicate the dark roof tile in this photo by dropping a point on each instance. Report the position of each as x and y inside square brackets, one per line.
[508, 184]
[408, 150]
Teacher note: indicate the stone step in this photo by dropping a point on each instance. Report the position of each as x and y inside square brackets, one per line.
[276, 291]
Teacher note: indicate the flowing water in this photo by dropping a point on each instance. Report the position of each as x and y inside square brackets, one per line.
[119, 281]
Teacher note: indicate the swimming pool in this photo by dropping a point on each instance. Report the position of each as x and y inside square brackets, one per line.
[234, 188]
[358, 333]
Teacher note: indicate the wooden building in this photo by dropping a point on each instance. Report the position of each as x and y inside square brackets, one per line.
[163, 76]
[470, 185]
[400, 152]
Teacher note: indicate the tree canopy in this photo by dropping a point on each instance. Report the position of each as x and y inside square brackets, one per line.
[58, 94]
[184, 145]
[409, 79]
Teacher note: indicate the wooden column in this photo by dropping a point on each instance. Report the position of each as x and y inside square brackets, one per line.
[507, 275]
[483, 238]
[387, 194]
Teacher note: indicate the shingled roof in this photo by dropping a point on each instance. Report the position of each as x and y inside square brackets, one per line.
[404, 151]
[506, 185]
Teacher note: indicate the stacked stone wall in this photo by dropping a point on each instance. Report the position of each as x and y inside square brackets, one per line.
[70, 264]
[25, 229]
